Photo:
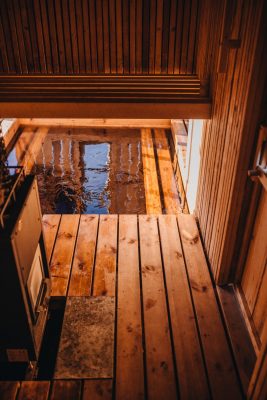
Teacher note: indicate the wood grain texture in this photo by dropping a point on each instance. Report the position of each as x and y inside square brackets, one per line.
[153, 203]
[97, 389]
[229, 137]
[67, 390]
[129, 362]
[219, 363]
[50, 228]
[106, 256]
[159, 359]
[190, 366]
[83, 262]
[167, 178]
[61, 261]
[59, 37]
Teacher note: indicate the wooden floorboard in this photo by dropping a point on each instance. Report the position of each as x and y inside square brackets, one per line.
[83, 263]
[106, 255]
[159, 357]
[170, 338]
[190, 367]
[50, 228]
[219, 362]
[167, 178]
[153, 203]
[60, 265]
[129, 362]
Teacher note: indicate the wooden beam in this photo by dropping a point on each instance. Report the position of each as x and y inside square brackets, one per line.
[194, 109]
[97, 122]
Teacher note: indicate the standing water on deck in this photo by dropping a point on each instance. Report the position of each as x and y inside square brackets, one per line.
[85, 170]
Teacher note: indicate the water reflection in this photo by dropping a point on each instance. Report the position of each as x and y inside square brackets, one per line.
[87, 170]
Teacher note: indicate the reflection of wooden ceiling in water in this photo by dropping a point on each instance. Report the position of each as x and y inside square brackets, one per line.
[66, 44]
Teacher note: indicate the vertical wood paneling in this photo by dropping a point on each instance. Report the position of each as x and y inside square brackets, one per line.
[99, 36]
[80, 35]
[92, 14]
[46, 35]
[229, 137]
[86, 29]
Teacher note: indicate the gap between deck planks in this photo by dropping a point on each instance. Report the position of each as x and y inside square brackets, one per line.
[170, 337]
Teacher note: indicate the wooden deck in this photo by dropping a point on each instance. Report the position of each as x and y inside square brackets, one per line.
[170, 338]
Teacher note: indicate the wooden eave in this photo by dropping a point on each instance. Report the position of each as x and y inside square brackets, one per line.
[103, 96]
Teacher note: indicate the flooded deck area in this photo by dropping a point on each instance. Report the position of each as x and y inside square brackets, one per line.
[99, 171]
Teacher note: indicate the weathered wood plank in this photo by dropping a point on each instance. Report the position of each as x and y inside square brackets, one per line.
[34, 390]
[99, 389]
[159, 358]
[67, 390]
[9, 390]
[153, 204]
[169, 188]
[220, 366]
[50, 228]
[60, 265]
[190, 365]
[106, 255]
[129, 363]
[83, 262]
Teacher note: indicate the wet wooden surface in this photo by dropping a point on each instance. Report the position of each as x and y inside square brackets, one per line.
[168, 336]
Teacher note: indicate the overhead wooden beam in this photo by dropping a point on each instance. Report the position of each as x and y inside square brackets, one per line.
[97, 122]
[184, 109]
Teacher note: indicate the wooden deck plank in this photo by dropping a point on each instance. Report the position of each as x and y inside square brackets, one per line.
[83, 263]
[159, 359]
[33, 150]
[106, 255]
[67, 390]
[100, 389]
[241, 343]
[220, 366]
[129, 364]
[50, 228]
[60, 265]
[9, 390]
[190, 367]
[169, 188]
[34, 390]
[153, 203]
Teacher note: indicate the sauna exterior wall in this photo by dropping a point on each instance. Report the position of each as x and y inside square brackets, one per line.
[229, 138]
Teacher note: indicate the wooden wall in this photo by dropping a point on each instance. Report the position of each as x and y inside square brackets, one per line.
[98, 36]
[230, 136]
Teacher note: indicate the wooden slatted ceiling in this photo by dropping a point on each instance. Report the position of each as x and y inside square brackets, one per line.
[98, 36]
